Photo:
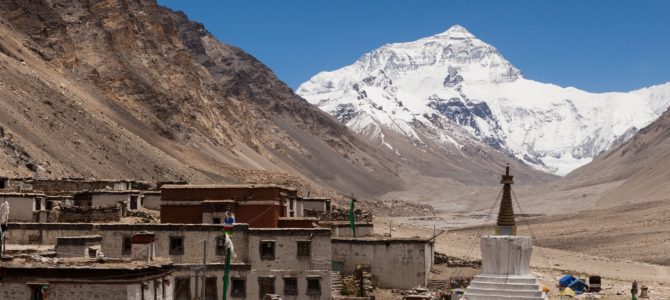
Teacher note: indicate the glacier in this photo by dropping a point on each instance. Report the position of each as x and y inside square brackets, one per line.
[414, 88]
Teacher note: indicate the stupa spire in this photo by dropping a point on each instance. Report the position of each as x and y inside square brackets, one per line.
[506, 224]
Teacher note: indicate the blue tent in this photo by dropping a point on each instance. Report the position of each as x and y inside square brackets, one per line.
[573, 282]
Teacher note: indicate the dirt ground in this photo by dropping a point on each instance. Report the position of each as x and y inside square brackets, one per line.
[547, 264]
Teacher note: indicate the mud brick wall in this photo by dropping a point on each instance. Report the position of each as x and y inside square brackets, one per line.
[90, 215]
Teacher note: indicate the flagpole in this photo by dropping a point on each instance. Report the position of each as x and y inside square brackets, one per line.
[352, 219]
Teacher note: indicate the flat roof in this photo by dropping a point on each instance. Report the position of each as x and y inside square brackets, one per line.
[21, 194]
[28, 262]
[110, 192]
[320, 199]
[380, 240]
[219, 201]
[343, 223]
[284, 231]
[121, 226]
[224, 186]
[74, 179]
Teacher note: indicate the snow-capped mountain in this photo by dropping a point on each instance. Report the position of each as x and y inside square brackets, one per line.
[452, 88]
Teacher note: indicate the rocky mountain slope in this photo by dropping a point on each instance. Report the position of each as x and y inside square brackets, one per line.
[640, 167]
[130, 89]
[450, 91]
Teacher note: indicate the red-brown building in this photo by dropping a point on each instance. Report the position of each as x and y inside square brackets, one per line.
[260, 206]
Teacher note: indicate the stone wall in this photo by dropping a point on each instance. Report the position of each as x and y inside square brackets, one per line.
[248, 263]
[77, 214]
[100, 199]
[286, 249]
[252, 290]
[316, 205]
[396, 263]
[87, 291]
[21, 205]
[152, 200]
[343, 228]
[245, 240]
[297, 222]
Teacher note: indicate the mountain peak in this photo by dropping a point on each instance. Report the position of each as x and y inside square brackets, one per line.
[457, 31]
[429, 89]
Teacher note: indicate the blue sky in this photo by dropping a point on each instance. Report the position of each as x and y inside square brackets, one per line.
[593, 45]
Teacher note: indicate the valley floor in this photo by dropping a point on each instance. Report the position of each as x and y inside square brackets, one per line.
[612, 243]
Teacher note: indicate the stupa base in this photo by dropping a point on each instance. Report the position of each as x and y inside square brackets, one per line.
[504, 287]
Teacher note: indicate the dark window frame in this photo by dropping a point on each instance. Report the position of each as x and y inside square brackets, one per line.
[176, 249]
[216, 220]
[313, 289]
[235, 290]
[134, 202]
[263, 281]
[182, 287]
[292, 288]
[126, 246]
[267, 249]
[303, 248]
[220, 245]
[36, 291]
[211, 291]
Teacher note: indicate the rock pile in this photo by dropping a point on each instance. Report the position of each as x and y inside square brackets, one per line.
[441, 258]
[361, 283]
[383, 208]
[145, 216]
[396, 208]
[338, 213]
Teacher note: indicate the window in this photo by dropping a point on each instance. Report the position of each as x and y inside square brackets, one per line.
[216, 220]
[38, 291]
[210, 288]
[313, 286]
[92, 252]
[176, 245]
[266, 285]
[220, 246]
[290, 286]
[304, 248]
[238, 288]
[182, 288]
[133, 202]
[127, 246]
[50, 205]
[267, 250]
[38, 204]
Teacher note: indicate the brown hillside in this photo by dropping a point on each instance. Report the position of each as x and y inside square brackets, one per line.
[132, 89]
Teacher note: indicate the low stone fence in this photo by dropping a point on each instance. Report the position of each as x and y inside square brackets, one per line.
[77, 214]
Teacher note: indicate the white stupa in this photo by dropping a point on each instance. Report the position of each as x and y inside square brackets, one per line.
[505, 259]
